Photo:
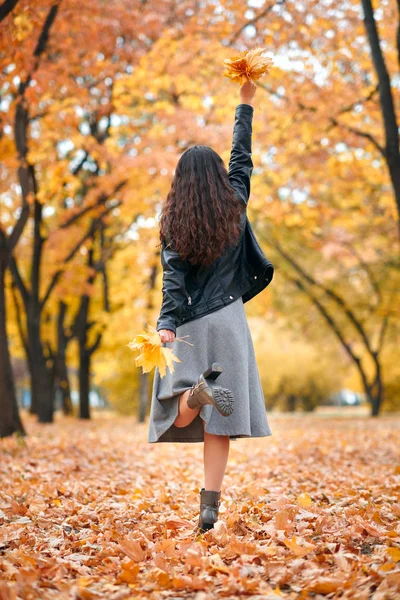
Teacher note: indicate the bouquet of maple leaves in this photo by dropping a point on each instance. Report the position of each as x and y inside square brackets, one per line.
[250, 65]
[151, 353]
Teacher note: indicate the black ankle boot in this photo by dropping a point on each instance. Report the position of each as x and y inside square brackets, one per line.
[209, 508]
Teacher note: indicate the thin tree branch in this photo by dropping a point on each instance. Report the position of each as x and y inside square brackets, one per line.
[336, 330]
[333, 295]
[365, 266]
[91, 349]
[360, 133]
[19, 319]
[101, 200]
[40, 46]
[72, 253]
[382, 333]
[25, 295]
[254, 21]
[79, 166]
[367, 98]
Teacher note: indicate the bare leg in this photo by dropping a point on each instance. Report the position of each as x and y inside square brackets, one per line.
[185, 413]
[216, 452]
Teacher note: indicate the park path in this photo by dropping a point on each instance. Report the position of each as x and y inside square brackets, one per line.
[91, 510]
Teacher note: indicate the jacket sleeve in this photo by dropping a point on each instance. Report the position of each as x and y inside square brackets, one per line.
[240, 163]
[173, 289]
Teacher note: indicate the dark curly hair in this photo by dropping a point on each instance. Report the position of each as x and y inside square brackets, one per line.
[201, 215]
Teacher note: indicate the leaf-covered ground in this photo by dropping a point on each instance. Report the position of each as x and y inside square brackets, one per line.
[91, 510]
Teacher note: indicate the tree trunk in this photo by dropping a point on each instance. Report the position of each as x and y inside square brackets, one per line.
[143, 396]
[63, 384]
[81, 328]
[10, 421]
[6, 7]
[41, 373]
[62, 379]
[376, 394]
[84, 381]
[387, 103]
[291, 403]
[375, 406]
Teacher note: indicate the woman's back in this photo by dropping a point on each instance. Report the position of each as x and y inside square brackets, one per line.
[218, 259]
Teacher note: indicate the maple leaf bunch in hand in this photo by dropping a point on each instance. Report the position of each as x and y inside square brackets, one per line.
[166, 335]
[151, 354]
[247, 66]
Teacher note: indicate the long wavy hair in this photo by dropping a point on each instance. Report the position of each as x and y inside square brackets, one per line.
[201, 215]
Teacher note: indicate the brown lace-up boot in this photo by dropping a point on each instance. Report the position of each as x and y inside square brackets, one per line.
[202, 393]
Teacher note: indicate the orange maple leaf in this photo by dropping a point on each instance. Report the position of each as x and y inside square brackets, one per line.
[249, 65]
[299, 550]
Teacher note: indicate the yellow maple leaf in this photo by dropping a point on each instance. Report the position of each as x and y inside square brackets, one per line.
[152, 354]
[394, 554]
[23, 26]
[304, 500]
[249, 65]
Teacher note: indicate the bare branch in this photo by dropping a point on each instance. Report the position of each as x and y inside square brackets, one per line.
[91, 349]
[365, 266]
[360, 133]
[40, 46]
[336, 330]
[74, 250]
[329, 292]
[22, 335]
[101, 200]
[25, 295]
[367, 98]
[257, 18]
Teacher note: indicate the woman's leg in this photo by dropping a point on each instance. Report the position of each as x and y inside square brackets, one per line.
[216, 452]
[216, 447]
[185, 413]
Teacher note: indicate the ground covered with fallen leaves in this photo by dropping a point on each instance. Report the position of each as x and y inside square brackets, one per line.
[91, 510]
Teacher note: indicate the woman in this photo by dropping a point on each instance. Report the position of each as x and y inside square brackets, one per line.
[212, 265]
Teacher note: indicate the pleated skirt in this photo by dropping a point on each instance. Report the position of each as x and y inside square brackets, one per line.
[222, 336]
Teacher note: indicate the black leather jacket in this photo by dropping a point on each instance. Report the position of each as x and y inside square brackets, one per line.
[191, 291]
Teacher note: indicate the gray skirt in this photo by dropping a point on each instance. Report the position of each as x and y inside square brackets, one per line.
[222, 336]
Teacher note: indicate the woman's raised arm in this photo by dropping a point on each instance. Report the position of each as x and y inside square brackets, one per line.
[240, 163]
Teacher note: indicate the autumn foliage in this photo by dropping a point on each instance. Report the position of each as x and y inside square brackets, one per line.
[92, 511]
[99, 100]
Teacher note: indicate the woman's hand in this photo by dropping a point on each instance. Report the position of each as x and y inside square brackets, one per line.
[247, 92]
[166, 335]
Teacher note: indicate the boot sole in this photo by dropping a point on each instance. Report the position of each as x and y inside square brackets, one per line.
[205, 527]
[222, 398]
[223, 401]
